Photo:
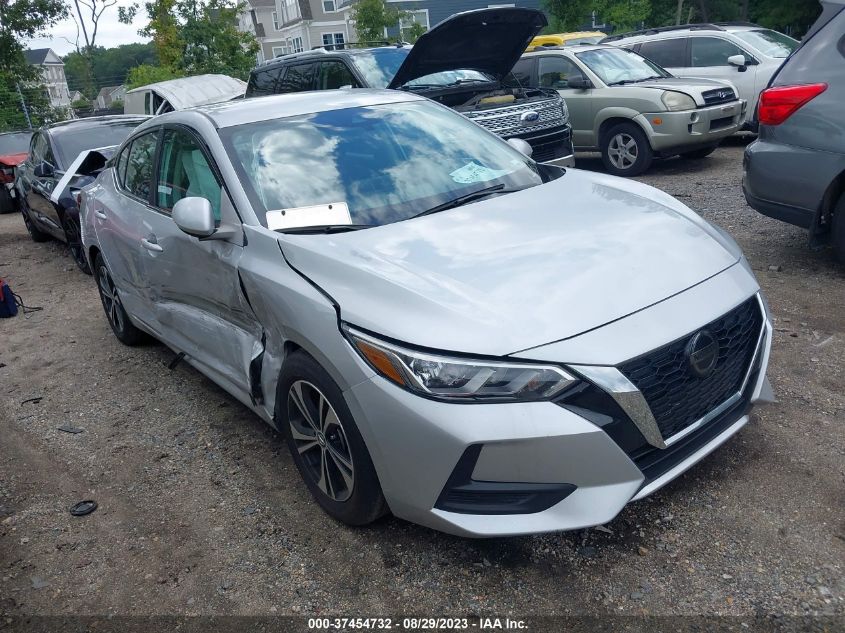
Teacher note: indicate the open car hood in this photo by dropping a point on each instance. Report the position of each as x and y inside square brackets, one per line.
[487, 40]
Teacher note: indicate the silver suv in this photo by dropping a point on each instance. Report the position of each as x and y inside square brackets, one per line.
[460, 63]
[747, 55]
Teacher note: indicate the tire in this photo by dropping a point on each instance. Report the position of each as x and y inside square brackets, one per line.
[116, 315]
[837, 231]
[7, 202]
[625, 150]
[34, 232]
[73, 237]
[321, 443]
[704, 152]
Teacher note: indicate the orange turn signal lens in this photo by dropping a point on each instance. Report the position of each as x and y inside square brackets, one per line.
[657, 120]
[381, 361]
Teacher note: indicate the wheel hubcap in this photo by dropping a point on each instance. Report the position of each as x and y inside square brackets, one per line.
[110, 299]
[622, 151]
[320, 440]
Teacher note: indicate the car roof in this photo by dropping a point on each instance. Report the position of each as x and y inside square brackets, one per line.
[321, 52]
[89, 122]
[255, 109]
[569, 49]
[684, 29]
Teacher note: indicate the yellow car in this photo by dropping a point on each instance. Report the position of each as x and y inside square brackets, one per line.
[562, 39]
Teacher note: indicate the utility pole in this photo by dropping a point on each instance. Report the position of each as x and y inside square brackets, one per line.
[23, 105]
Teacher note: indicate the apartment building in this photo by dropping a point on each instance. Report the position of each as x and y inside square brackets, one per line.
[52, 75]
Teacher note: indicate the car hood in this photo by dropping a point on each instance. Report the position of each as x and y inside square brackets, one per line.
[519, 270]
[487, 40]
[13, 160]
[694, 87]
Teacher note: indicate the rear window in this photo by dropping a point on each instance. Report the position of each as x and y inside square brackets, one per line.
[14, 143]
[70, 142]
[667, 53]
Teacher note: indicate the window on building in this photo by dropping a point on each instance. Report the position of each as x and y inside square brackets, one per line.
[329, 6]
[407, 30]
[333, 39]
[297, 45]
[278, 51]
[275, 21]
[290, 10]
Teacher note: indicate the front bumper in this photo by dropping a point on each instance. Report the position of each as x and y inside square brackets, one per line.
[689, 129]
[419, 445]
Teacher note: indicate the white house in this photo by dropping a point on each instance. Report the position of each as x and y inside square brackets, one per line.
[52, 75]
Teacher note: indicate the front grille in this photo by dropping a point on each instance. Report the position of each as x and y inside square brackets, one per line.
[719, 95]
[676, 396]
[553, 144]
[506, 121]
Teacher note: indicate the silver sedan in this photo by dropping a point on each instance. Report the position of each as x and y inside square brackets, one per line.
[440, 327]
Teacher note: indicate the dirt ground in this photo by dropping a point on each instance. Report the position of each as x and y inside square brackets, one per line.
[201, 510]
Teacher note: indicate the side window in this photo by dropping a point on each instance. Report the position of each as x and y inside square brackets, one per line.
[297, 78]
[667, 53]
[184, 171]
[120, 165]
[713, 51]
[521, 74]
[335, 74]
[555, 71]
[139, 166]
[38, 147]
[262, 83]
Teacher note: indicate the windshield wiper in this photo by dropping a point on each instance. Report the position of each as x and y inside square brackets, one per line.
[325, 228]
[466, 198]
[622, 82]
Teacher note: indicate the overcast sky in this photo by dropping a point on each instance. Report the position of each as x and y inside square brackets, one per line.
[111, 32]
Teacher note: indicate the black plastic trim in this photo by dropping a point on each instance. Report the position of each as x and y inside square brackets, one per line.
[465, 495]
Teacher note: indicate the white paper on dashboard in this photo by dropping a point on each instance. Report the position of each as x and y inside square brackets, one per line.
[316, 215]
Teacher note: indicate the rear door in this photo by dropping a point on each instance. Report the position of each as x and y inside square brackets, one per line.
[672, 54]
[118, 214]
[195, 287]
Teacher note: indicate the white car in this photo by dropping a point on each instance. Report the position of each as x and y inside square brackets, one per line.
[744, 54]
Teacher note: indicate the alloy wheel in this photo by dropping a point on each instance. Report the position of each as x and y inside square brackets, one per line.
[110, 299]
[623, 151]
[321, 440]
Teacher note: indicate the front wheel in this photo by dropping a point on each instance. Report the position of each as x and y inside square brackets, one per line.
[325, 443]
[73, 237]
[704, 152]
[119, 321]
[34, 232]
[625, 150]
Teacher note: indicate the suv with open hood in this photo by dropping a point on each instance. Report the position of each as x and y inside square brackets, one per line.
[460, 63]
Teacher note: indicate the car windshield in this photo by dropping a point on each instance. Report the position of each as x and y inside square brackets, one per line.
[369, 165]
[769, 43]
[14, 143]
[617, 66]
[448, 78]
[70, 141]
[379, 65]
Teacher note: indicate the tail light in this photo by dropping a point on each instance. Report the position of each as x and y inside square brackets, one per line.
[778, 104]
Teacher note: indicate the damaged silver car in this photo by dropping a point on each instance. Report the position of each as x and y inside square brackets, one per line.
[439, 326]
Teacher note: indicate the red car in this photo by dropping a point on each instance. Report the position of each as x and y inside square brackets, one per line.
[14, 148]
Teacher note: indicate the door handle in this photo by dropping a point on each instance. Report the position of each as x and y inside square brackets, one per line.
[151, 246]
[100, 214]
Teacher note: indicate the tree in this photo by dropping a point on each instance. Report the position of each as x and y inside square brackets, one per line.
[110, 66]
[146, 74]
[372, 18]
[22, 20]
[415, 31]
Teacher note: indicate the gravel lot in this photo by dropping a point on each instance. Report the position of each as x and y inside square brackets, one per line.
[201, 510]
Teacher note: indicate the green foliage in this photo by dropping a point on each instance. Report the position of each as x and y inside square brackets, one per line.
[372, 17]
[81, 104]
[21, 20]
[414, 32]
[109, 66]
[12, 116]
[146, 74]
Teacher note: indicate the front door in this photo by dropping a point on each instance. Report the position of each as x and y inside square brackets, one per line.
[199, 305]
[39, 177]
[554, 71]
[709, 59]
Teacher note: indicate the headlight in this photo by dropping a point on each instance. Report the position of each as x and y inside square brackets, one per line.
[677, 101]
[459, 378]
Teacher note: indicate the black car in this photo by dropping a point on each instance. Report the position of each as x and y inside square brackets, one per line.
[50, 178]
[462, 63]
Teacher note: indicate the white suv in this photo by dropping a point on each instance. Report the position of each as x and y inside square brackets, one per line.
[747, 55]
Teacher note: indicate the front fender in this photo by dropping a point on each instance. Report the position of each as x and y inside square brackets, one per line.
[613, 112]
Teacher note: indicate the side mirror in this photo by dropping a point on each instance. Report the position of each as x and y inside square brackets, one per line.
[43, 170]
[578, 82]
[194, 216]
[738, 61]
[521, 146]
